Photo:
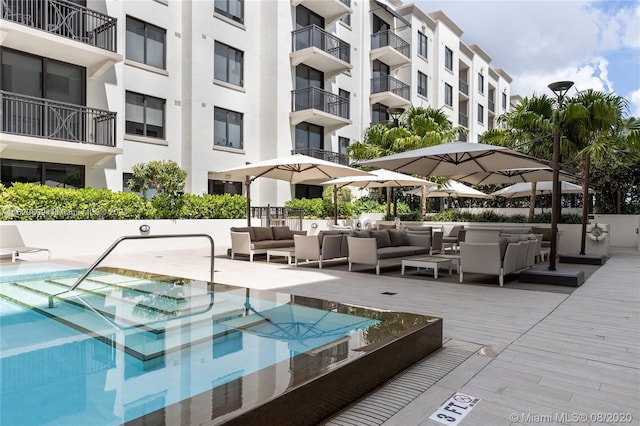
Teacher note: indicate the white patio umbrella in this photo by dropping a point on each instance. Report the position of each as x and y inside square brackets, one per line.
[524, 189]
[454, 159]
[377, 179]
[294, 168]
[492, 177]
[452, 188]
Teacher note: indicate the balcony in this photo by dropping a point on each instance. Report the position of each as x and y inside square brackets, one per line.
[321, 154]
[464, 89]
[317, 48]
[390, 92]
[330, 10]
[320, 107]
[84, 37]
[50, 127]
[492, 107]
[463, 120]
[387, 47]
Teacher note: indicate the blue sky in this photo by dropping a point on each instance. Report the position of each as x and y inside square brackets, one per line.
[596, 44]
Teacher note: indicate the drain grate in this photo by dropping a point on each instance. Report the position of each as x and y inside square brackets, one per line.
[381, 405]
[388, 293]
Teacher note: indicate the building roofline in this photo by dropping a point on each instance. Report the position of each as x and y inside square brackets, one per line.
[439, 15]
[412, 9]
[502, 73]
[477, 49]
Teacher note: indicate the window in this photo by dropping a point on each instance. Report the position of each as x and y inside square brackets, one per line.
[448, 58]
[49, 174]
[344, 103]
[422, 44]
[448, 94]
[227, 128]
[145, 43]
[343, 144]
[480, 83]
[308, 191]
[379, 113]
[309, 137]
[346, 19]
[422, 84]
[480, 113]
[220, 187]
[228, 63]
[144, 115]
[232, 9]
[504, 101]
[126, 177]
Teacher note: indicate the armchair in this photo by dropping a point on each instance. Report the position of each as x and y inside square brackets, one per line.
[484, 258]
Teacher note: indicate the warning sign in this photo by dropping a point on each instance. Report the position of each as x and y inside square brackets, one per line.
[454, 409]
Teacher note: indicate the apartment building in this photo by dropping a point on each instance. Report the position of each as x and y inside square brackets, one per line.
[92, 87]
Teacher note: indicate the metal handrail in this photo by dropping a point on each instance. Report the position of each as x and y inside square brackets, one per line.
[132, 237]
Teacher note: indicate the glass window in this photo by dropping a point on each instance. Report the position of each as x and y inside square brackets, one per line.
[504, 101]
[144, 115]
[448, 94]
[233, 9]
[227, 65]
[219, 187]
[480, 83]
[49, 174]
[346, 19]
[480, 113]
[422, 44]
[309, 136]
[343, 144]
[145, 43]
[379, 113]
[448, 58]
[308, 191]
[422, 84]
[227, 128]
[344, 103]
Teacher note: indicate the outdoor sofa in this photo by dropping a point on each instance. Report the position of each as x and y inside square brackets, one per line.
[384, 247]
[252, 240]
[326, 245]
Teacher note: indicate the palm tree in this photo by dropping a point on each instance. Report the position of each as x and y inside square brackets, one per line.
[594, 135]
[418, 127]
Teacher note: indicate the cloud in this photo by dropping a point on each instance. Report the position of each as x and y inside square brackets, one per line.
[634, 101]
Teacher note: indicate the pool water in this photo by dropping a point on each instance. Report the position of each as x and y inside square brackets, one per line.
[127, 344]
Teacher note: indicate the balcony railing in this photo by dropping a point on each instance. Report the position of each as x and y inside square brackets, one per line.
[314, 36]
[463, 120]
[464, 87]
[65, 19]
[320, 99]
[492, 106]
[389, 38]
[386, 83]
[334, 157]
[44, 118]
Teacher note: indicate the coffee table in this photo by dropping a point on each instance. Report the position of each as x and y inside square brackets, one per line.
[454, 258]
[288, 252]
[426, 262]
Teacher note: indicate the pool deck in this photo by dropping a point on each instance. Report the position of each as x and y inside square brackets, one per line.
[537, 350]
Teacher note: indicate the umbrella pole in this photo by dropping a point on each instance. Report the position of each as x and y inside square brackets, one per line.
[248, 184]
[335, 204]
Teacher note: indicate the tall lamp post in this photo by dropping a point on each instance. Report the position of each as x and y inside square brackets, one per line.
[395, 114]
[560, 89]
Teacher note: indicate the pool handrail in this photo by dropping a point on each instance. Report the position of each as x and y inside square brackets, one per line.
[132, 237]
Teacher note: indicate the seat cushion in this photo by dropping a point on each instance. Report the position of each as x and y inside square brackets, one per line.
[269, 244]
[401, 251]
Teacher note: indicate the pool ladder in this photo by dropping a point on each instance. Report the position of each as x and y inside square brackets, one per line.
[131, 237]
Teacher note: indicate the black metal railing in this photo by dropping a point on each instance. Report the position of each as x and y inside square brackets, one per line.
[464, 87]
[320, 99]
[279, 216]
[386, 83]
[334, 157]
[64, 18]
[492, 106]
[314, 36]
[391, 39]
[463, 119]
[44, 118]
[347, 2]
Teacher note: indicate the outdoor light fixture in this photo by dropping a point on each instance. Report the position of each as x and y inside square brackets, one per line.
[560, 89]
[144, 229]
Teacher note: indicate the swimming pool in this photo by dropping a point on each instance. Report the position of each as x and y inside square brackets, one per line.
[140, 348]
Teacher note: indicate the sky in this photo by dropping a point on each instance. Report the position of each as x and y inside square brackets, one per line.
[595, 44]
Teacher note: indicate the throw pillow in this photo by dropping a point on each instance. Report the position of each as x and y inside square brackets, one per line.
[281, 233]
[249, 229]
[398, 238]
[263, 233]
[382, 238]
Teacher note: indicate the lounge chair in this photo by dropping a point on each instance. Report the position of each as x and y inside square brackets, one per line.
[11, 243]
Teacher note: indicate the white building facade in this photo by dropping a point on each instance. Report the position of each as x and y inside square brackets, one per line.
[92, 87]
